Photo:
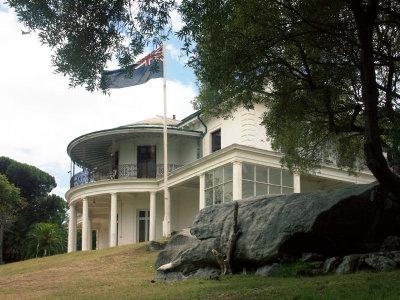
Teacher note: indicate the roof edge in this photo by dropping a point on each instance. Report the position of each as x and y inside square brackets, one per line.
[169, 127]
[188, 118]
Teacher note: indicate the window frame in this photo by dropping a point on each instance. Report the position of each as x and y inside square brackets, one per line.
[255, 181]
[214, 145]
[221, 185]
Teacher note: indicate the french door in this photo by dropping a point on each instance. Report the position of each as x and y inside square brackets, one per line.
[143, 225]
[146, 162]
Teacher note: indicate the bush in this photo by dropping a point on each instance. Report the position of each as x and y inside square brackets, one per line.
[45, 239]
[296, 267]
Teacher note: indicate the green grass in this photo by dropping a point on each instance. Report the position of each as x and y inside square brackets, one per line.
[125, 273]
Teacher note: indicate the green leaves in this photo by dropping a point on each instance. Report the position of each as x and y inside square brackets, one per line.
[45, 239]
[34, 185]
[302, 60]
[86, 35]
[10, 199]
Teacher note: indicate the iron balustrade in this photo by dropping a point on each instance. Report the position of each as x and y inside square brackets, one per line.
[121, 172]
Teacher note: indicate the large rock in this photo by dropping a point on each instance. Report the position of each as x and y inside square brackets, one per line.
[391, 243]
[330, 223]
[268, 271]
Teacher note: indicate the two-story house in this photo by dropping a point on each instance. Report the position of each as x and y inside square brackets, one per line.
[119, 193]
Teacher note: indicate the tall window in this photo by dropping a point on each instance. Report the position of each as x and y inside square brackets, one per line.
[143, 225]
[146, 161]
[219, 185]
[261, 180]
[216, 140]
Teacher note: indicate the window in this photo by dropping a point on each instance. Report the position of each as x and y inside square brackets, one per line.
[146, 162]
[262, 180]
[216, 140]
[143, 224]
[218, 187]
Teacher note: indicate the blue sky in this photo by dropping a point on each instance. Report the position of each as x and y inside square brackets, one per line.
[41, 114]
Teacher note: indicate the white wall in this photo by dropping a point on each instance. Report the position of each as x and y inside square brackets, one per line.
[243, 128]
[184, 207]
[104, 235]
[187, 151]
[188, 207]
[128, 205]
[181, 150]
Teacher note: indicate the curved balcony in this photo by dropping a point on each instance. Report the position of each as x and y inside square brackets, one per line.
[120, 172]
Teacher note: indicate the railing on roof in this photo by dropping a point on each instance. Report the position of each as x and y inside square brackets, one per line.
[121, 172]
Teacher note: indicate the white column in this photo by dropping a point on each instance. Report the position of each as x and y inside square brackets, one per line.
[85, 223]
[202, 194]
[237, 180]
[113, 220]
[72, 229]
[167, 215]
[296, 183]
[90, 235]
[152, 216]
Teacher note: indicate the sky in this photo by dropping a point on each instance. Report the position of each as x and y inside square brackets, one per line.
[40, 114]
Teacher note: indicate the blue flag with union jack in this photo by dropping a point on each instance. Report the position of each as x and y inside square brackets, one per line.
[147, 68]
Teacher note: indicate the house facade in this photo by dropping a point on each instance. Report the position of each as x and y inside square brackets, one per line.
[118, 192]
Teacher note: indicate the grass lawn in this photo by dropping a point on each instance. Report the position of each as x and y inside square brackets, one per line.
[125, 273]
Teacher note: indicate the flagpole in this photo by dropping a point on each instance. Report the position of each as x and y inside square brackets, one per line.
[167, 203]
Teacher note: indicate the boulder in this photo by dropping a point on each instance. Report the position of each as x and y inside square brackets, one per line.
[269, 270]
[350, 264]
[155, 246]
[331, 264]
[391, 243]
[331, 223]
[380, 262]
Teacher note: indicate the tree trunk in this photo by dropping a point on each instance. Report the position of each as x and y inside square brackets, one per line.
[225, 262]
[365, 17]
[232, 241]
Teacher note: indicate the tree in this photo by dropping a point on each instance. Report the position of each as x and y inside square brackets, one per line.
[32, 181]
[10, 203]
[85, 35]
[35, 186]
[328, 71]
[45, 239]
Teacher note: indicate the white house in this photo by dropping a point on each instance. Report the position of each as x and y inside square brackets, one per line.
[119, 193]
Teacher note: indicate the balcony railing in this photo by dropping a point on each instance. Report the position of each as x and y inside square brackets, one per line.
[121, 172]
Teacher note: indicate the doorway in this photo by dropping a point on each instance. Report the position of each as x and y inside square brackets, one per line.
[143, 225]
[146, 162]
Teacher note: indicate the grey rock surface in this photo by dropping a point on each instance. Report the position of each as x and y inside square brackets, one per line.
[380, 262]
[349, 264]
[391, 243]
[331, 223]
[331, 264]
[269, 270]
[154, 246]
[201, 273]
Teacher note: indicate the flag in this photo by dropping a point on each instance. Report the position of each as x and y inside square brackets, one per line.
[147, 68]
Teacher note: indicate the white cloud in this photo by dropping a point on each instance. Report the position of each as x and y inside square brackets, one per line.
[177, 54]
[176, 20]
[40, 115]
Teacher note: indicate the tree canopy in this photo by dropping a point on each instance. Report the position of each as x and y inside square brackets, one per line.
[45, 239]
[85, 35]
[10, 203]
[34, 186]
[328, 71]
